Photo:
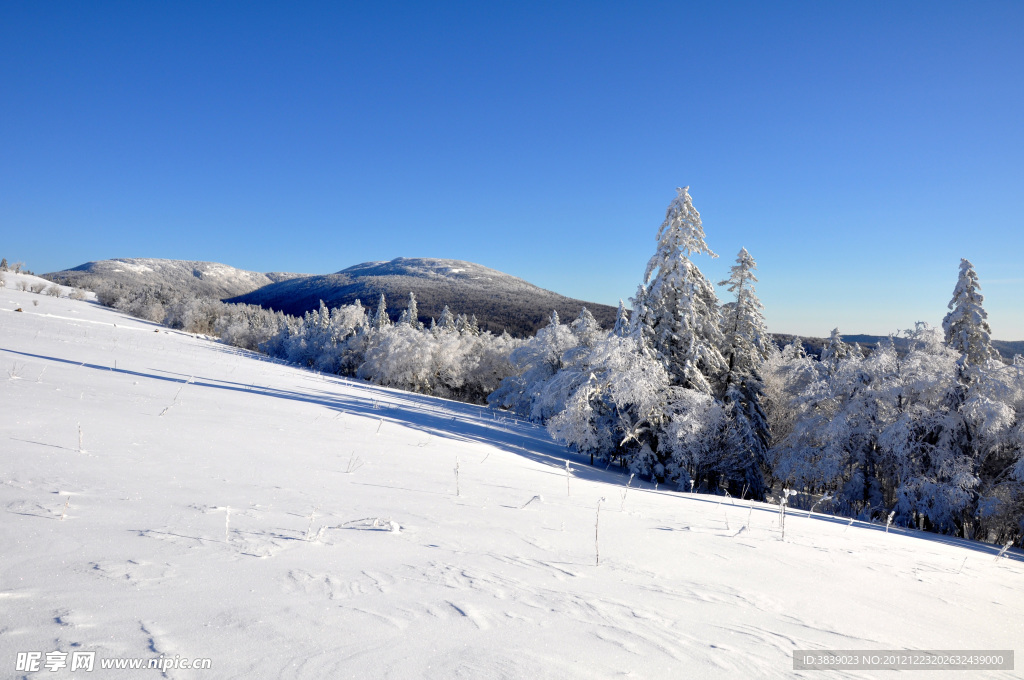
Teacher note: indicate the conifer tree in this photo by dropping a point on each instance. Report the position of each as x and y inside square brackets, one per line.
[380, 318]
[745, 350]
[743, 325]
[676, 314]
[835, 351]
[966, 325]
[795, 349]
[411, 313]
[586, 329]
[621, 321]
[447, 320]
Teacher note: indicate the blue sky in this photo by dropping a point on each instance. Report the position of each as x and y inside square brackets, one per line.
[857, 150]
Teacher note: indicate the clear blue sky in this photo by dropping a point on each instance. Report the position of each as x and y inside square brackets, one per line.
[858, 150]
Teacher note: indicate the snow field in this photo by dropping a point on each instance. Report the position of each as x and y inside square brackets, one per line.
[292, 525]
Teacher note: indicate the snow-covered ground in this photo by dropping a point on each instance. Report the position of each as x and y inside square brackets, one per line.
[166, 495]
[27, 282]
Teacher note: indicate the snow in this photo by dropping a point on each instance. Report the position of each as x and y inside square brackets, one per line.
[13, 282]
[138, 266]
[288, 524]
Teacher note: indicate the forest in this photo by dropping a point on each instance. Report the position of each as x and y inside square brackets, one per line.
[925, 430]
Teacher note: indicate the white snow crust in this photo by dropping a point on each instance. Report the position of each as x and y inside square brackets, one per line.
[290, 525]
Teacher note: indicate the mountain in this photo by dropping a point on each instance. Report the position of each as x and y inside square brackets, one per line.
[204, 279]
[499, 301]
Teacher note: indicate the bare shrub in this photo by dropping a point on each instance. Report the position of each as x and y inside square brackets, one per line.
[37, 287]
[53, 291]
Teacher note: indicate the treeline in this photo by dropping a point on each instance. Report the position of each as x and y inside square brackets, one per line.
[16, 268]
[246, 326]
[934, 435]
[450, 358]
[696, 395]
[693, 394]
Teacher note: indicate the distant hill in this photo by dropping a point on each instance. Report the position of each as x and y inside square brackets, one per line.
[1006, 348]
[499, 301]
[1009, 348]
[204, 279]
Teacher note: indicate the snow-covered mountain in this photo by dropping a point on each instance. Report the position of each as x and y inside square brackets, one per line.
[206, 279]
[499, 301]
[166, 498]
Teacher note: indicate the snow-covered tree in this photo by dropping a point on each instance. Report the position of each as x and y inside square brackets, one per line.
[586, 329]
[535, 363]
[380, 317]
[745, 348]
[966, 325]
[410, 315]
[447, 320]
[489, 364]
[929, 466]
[677, 313]
[621, 320]
[616, 405]
[834, 351]
[400, 356]
[746, 336]
[785, 374]
[695, 441]
[994, 410]
[889, 433]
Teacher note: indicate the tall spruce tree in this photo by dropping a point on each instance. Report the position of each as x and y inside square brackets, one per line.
[745, 350]
[381, 318]
[621, 321]
[743, 327]
[410, 315]
[966, 325]
[447, 320]
[676, 313]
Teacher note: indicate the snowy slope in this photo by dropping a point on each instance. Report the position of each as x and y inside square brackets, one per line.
[29, 282]
[347, 551]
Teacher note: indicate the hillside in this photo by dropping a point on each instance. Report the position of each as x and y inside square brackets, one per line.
[499, 301]
[203, 279]
[169, 498]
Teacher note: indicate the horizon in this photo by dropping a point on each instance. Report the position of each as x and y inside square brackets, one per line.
[629, 308]
[858, 152]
